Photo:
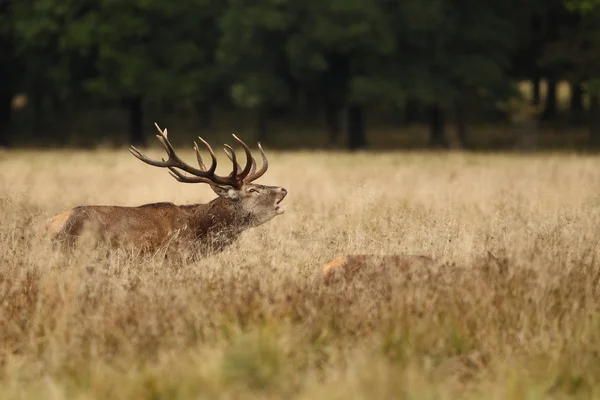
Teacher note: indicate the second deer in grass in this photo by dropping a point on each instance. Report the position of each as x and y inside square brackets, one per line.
[349, 266]
[240, 205]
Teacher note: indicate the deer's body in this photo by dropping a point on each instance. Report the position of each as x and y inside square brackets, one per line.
[146, 226]
[212, 226]
[348, 266]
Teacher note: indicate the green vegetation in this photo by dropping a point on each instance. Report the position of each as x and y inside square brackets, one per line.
[338, 68]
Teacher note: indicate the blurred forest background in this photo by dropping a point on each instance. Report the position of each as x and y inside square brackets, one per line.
[355, 74]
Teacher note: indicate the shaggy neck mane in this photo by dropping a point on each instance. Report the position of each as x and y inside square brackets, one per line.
[220, 216]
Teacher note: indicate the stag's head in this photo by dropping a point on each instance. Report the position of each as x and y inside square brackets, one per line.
[258, 203]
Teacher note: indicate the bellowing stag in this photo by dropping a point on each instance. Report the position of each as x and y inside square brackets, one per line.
[240, 205]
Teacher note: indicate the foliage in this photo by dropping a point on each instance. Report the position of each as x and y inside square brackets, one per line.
[271, 54]
[148, 47]
[581, 46]
[431, 34]
[250, 49]
[583, 6]
[39, 28]
[392, 49]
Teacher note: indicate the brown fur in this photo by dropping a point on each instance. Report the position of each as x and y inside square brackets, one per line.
[348, 266]
[56, 223]
[206, 227]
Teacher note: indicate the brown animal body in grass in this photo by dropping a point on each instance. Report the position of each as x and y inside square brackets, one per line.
[349, 266]
[209, 227]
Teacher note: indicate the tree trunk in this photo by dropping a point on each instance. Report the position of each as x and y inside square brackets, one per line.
[136, 121]
[594, 120]
[334, 91]
[536, 91]
[411, 111]
[550, 109]
[205, 115]
[460, 116]
[262, 123]
[56, 104]
[332, 118]
[437, 137]
[576, 98]
[356, 127]
[37, 111]
[5, 118]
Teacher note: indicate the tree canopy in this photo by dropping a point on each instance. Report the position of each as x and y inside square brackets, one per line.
[337, 59]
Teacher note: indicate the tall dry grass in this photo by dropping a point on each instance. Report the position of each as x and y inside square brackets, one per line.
[256, 322]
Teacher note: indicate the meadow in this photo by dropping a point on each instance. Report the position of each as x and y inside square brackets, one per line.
[511, 309]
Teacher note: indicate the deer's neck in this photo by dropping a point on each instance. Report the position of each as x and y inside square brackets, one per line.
[220, 220]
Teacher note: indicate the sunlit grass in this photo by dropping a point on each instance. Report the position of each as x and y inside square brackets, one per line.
[509, 311]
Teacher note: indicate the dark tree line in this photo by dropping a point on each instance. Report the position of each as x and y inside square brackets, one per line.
[435, 61]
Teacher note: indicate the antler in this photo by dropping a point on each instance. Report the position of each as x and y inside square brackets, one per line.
[204, 175]
[249, 172]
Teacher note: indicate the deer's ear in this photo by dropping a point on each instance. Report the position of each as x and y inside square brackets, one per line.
[226, 191]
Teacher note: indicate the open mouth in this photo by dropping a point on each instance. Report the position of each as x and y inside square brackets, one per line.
[280, 208]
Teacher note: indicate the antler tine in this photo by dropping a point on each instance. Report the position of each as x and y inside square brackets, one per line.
[252, 160]
[200, 174]
[231, 158]
[231, 154]
[173, 161]
[249, 158]
[213, 166]
[265, 165]
[187, 179]
[164, 140]
[199, 157]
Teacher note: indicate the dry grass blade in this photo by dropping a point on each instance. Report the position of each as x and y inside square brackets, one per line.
[510, 309]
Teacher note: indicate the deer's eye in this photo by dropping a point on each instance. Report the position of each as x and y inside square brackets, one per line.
[252, 190]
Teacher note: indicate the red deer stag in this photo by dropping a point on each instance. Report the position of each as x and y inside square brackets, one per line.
[210, 227]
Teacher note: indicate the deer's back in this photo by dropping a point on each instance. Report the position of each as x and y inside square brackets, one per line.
[145, 225]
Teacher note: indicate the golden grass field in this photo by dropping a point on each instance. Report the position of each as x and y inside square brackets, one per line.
[510, 310]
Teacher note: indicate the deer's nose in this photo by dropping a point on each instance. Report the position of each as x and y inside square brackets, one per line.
[283, 191]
